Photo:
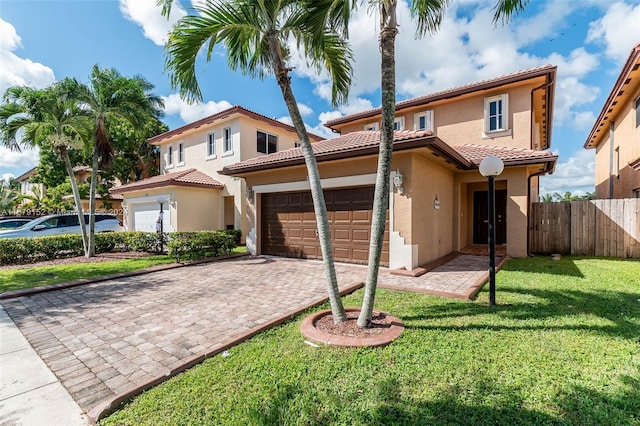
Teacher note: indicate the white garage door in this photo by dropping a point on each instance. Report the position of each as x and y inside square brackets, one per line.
[145, 216]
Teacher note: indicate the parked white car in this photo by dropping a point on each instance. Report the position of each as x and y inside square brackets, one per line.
[58, 224]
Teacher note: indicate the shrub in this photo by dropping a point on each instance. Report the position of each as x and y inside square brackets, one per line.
[27, 250]
[236, 233]
[197, 245]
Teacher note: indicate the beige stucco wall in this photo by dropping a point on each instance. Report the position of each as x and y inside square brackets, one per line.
[626, 140]
[461, 120]
[199, 209]
[429, 230]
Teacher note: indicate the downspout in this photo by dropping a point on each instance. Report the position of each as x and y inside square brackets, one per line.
[530, 225]
[548, 136]
[611, 152]
[547, 111]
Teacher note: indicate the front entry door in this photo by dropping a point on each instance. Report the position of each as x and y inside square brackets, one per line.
[481, 217]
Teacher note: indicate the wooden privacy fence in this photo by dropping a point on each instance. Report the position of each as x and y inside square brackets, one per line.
[608, 228]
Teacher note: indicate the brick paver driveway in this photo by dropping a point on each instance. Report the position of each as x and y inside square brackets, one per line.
[104, 339]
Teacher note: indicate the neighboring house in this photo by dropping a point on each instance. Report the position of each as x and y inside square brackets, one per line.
[616, 135]
[83, 175]
[438, 199]
[193, 195]
[28, 188]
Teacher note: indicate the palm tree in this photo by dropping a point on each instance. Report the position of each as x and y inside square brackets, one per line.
[109, 95]
[428, 14]
[45, 115]
[255, 34]
[8, 200]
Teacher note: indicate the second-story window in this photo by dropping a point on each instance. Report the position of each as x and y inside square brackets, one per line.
[228, 142]
[423, 120]
[638, 112]
[496, 114]
[211, 145]
[180, 153]
[398, 123]
[372, 126]
[170, 156]
[267, 144]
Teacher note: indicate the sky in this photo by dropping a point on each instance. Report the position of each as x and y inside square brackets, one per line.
[42, 41]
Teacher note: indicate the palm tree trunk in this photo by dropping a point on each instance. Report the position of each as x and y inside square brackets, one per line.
[76, 196]
[388, 30]
[284, 81]
[91, 252]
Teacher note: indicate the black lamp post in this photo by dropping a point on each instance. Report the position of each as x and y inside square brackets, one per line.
[490, 167]
[160, 228]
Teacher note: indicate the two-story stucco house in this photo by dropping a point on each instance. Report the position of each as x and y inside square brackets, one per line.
[192, 194]
[616, 135]
[438, 199]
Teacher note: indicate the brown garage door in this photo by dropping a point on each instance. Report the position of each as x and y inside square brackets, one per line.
[289, 225]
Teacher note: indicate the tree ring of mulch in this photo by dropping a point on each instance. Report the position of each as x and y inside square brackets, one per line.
[319, 328]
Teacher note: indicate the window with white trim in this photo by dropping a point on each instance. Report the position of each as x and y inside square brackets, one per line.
[372, 126]
[423, 120]
[211, 145]
[180, 153]
[170, 156]
[228, 141]
[398, 123]
[496, 114]
[297, 144]
[267, 143]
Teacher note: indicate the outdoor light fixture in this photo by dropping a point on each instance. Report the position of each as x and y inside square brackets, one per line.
[397, 182]
[490, 167]
[160, 222]
[248, 193]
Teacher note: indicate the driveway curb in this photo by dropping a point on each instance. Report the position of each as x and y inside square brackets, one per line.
[111, 405]
[43, 289]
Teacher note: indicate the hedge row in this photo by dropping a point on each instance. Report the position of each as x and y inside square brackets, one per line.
[182, 245]
[198, 245]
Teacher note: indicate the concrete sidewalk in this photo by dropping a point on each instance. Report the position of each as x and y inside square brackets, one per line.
[30, 394]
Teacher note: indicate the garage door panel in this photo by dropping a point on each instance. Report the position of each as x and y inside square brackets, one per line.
[349, 213]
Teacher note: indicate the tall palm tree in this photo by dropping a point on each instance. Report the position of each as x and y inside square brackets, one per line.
[255, 34]
[109, 94]
[45, 115]
[428, 15]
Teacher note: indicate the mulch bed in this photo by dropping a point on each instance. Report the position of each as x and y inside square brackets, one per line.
[102, 257]
[379, 324]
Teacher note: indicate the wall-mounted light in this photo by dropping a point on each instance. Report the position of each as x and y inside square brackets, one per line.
[248, 193]
[397, 182]
[436, 203]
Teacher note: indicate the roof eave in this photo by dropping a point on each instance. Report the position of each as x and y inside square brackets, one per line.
[446, 95]
[121, 190]
[592, 142]
[401, 145]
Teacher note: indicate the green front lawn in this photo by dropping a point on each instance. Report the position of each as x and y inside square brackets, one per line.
[561, 348]
[16, 279]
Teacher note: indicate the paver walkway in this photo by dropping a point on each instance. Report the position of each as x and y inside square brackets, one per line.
[105, 338]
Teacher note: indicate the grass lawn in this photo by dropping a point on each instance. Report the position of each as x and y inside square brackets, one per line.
[561, 348]
[16, 279]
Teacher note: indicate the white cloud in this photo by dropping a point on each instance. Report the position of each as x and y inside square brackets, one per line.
[575, 175]
[7, 176]
[618, 30]
[147, 15]
[570, 95]
[27, 158]
[174, 105]
[15, 70]
[305, 111]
